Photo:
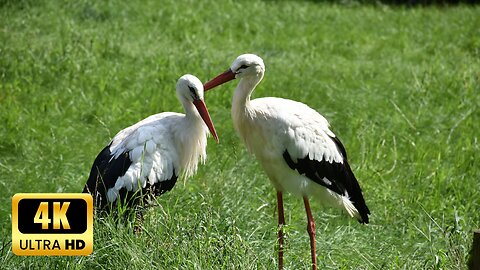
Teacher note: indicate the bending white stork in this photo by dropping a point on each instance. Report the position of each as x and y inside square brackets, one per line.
[295, 147]
[147, 157]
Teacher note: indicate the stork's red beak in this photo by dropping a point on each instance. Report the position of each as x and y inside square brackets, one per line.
[220, 79]
[203, 111]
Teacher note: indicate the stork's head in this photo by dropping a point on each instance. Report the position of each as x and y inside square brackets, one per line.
[190, 90]
[246, 65]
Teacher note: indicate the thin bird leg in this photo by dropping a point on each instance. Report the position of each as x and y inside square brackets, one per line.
[281, 223]
[138, 224]
[311, 233]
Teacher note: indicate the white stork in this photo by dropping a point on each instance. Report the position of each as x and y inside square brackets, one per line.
[294, 145]
[147, 157]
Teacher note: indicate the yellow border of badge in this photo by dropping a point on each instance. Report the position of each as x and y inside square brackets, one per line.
[17, 236]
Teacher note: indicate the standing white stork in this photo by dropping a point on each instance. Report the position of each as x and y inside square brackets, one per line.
[146, 158]
[295, 146]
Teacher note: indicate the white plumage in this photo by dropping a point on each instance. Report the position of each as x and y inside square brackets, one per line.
[153, 152]
[294, 145]
[273, 125]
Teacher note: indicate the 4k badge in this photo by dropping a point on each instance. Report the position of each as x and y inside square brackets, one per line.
[52, 224]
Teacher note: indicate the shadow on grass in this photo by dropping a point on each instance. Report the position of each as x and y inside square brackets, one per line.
[19, 4]
[407, 3]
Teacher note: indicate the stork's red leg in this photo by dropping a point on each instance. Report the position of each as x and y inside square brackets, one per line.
[281, 223]
[311, 233]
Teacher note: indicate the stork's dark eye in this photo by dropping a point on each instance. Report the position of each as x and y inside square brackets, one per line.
[243, 66]
[193, 93]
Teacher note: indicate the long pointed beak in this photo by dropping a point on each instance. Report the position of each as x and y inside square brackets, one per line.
[220, 79]
[203, 111]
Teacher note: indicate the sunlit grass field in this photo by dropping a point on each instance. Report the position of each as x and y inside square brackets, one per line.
[400, 86]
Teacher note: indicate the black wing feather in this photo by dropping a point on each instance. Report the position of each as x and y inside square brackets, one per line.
[340, 177]
[105, 172]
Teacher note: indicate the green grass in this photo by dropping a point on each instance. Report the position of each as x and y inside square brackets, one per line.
[400, 87]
